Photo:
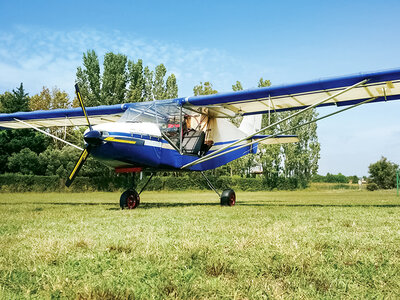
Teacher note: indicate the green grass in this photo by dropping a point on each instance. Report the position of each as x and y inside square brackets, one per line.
[307, 244]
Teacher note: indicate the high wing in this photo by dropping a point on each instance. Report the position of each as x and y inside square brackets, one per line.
[62, 117]
[160, 109]
[382, 86]
[342, 91]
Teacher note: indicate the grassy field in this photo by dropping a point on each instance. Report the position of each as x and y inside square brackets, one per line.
[307, 244]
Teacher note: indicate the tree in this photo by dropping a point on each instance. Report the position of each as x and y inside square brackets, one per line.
[237, 86]
[301, 158]
[60, 99]
[88, 79]
[205, 88]
[13, 141]
[172, 87]
[160, 90]
[148, 84]
[136, 90]
[353, 179]
[25, 162]
[49, 100]
[294, 163]
[263, 83]
[6, 101]
[55, 99]
[122, 81]
[41, 101]
[298, 161]
[115, 78]
[16, 101]
[270, 156]
[383, 173]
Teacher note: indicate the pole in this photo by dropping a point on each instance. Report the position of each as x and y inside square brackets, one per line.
[397, 179]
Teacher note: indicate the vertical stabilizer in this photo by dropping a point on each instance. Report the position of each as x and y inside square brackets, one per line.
[251, 124]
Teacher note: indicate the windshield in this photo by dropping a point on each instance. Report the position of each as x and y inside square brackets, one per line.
[179, 126]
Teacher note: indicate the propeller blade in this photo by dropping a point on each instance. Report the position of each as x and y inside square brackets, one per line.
[79, 164]
[78, 95]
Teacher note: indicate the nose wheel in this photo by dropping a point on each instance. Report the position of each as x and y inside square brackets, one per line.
[129, 199]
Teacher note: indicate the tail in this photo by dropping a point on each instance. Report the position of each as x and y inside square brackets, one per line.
[251, 124]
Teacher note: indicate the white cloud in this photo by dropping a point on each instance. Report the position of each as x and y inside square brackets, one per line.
[50, 58]
[41, 57]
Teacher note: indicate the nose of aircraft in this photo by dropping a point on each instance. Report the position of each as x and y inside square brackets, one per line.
[93, 137]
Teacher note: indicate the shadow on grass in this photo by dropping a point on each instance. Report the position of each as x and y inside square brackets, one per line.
[166, 204]
[57, 203]
[161, 205]
[318, 205]
[151, 205]
[142, 205]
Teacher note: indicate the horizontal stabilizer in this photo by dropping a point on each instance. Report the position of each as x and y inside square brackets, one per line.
[280, 139]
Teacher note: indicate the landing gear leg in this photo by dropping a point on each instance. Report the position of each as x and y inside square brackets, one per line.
[227, 198]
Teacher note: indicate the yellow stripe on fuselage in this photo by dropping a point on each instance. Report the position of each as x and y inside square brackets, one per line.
[112, 139]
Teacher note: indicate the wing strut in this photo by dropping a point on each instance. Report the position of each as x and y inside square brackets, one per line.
[213, 154]
[49, 134]
[286, 131]
[273, 125]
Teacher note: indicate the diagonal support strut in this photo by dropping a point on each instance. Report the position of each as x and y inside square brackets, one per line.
[213, 154]
[49, 134]
[288, 130]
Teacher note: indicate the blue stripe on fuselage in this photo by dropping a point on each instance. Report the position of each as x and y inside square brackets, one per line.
[157, 157]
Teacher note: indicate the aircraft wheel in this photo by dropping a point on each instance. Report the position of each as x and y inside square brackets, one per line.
[228, 198]
[129, 199]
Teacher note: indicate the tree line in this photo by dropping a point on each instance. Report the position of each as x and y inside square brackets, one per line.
[123, 80]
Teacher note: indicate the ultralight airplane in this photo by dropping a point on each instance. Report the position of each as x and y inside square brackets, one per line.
[195, 133]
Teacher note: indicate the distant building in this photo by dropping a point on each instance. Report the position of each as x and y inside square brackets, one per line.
[257, 170]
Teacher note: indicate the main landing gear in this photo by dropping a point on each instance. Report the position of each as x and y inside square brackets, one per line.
[130, 199]
[227, 198]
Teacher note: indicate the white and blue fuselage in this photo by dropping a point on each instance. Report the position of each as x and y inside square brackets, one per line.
[141, 144]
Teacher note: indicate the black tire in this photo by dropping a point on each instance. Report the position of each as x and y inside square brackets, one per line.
[129, 199]
[228, 198]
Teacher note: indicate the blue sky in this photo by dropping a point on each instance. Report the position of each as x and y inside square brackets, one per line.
[41, 44]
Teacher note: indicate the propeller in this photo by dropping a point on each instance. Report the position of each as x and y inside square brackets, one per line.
[78, 165]
[92, 138]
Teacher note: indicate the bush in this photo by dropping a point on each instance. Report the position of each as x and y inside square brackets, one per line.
[372, 186]
[28, 183]
[35, 183]
[332, 178]
[383, 173]
[25, 162]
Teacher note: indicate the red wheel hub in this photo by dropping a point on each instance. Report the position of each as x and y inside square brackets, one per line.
[232, 200]
[132, 201]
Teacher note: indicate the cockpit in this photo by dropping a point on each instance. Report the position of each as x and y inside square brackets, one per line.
[187, 131]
